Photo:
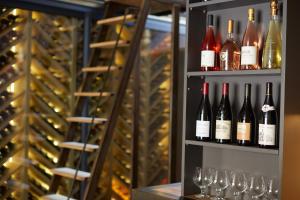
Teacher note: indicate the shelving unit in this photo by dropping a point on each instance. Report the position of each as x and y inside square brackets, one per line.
[271, 163]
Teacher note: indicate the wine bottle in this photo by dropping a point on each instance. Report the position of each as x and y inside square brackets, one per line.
[272, 49]
[267, 131]
[250, 49]
[3, 170]
[3, 191]
[246, 120]
[224, 117]
[230, 53]
[4, 23]
[208, 49]
[3, 61]
[203, 122]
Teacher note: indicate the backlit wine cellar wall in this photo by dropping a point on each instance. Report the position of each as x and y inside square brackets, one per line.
[40, 60]
[37, 77]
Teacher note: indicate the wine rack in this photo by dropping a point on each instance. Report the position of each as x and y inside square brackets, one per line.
[37, 78]
[253, 160]
[155, 104]
[154, 120]
[11, 73]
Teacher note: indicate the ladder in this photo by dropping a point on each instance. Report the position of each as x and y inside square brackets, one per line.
[91, 72]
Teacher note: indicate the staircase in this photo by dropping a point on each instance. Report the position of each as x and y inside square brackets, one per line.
[138, 17]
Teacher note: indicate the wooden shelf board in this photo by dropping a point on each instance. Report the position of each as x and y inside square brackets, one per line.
[233, 147]
[267, 72]
[70, 173]
[55, 197]
[79, 146]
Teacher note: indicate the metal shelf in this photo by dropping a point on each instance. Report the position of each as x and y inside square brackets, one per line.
[230, 3]
[267, 72]
[253, 149]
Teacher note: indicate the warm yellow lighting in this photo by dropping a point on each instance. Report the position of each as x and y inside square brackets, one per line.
[57, 126]
[11, 88]
[13, 48]
[13, 123]
[55, 143]
[51, 104]
[57, 109]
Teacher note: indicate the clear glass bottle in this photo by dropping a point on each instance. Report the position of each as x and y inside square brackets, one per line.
[230, 53]
[272, 49]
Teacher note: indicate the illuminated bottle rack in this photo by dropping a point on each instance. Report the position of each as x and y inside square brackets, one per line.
[10, 73]
[155, 102]
[36, 69]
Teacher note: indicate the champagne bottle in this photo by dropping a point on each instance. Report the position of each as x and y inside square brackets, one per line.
[208, 49]
[230, 52]
[250, 49]
[246, 120]
[267, 136]
[203, 122]
[224, 117]
[272, 49]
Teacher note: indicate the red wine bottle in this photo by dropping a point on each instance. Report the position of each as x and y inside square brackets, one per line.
[267, 133]
[246, 120]
[203, 122]
[224, 117]
[209, 52]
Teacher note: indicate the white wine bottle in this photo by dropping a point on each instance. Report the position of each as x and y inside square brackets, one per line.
[272, 49]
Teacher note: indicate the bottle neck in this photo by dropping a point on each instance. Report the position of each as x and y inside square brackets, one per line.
[205, 89]
[210, 27]
[275, 17]
[247, 98]
[230, 36]
[269, 96]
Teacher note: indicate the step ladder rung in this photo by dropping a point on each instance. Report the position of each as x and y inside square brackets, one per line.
[70, 173]
[86, 120]
[79, 146]
[100, 69]
[55, 197]
[115, 20]
[109, 44]
[93, 94]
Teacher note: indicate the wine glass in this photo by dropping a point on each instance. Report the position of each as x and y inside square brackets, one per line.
[257, 187]
[238, 184]
[203, 179]
[272, 189]
[221, 183]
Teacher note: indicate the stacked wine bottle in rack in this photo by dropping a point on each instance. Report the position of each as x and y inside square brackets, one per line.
[11, 73]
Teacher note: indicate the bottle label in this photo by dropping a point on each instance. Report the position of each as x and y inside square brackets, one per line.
[224, 60]
[202, 128]
[223, 129]
[266, 134]
[243, 131]
[207, 58]
[267, 108]
[249, 55]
